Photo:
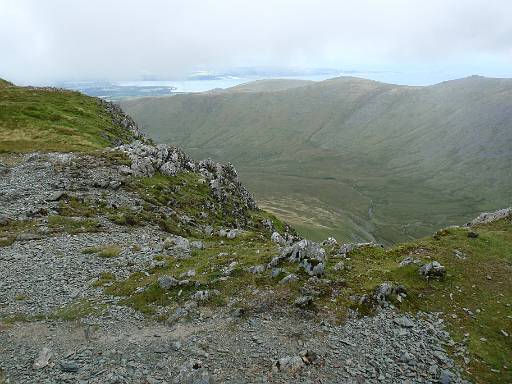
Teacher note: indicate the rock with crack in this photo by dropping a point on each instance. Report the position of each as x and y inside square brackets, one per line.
[432, 270]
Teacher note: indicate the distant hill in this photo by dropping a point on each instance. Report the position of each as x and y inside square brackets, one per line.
[364, 159]
[273, 85]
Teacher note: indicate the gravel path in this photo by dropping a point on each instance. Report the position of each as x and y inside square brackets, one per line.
[124, 349]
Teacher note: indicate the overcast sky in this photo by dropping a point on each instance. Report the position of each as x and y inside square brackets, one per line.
[43, 41]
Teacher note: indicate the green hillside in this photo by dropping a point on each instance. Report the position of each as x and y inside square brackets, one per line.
[359, 158]
[48, 119]
[5, 83]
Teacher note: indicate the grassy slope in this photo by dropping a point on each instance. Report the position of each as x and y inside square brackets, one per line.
[38, 119]
[399, 161]
[481, 284]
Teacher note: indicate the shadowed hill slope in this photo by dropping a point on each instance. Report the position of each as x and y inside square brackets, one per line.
[364, 159]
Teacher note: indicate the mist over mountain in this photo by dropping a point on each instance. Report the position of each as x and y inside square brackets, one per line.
[360, 158]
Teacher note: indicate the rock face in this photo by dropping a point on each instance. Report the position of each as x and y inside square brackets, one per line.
[310, 255]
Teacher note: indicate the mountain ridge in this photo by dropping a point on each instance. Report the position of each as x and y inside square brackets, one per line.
[362, 133]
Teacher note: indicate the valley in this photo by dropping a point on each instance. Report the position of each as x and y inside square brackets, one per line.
[359, 159]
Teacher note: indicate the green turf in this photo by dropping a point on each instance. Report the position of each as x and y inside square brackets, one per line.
[39, 119]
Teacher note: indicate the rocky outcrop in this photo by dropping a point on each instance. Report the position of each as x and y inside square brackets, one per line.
[489, 217]
[121, 119]
[223, 179]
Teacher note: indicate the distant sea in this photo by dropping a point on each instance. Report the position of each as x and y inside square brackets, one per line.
[129, 89]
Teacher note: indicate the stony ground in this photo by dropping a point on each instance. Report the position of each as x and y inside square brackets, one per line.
[57, 324]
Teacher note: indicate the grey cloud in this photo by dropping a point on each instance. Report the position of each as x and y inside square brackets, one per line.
[61, 39]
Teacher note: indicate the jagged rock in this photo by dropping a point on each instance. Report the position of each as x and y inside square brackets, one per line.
[223, 179]
[409, 260]
[473, 234]
[489, 217]
[276, 272]
[277, 238]
[230, 233]
[142, 167]
[446, 377]
[459, 254]
[383, 292]
[167, 282]
[208, 230]
[308, 254]
[433, 269]
[308, 356]
[42, 359]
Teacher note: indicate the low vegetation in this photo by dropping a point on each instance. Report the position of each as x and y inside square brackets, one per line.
[107, 251]
[72, 225]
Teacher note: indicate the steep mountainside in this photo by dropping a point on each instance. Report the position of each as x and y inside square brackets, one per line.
[359, 158]
[131, 262]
